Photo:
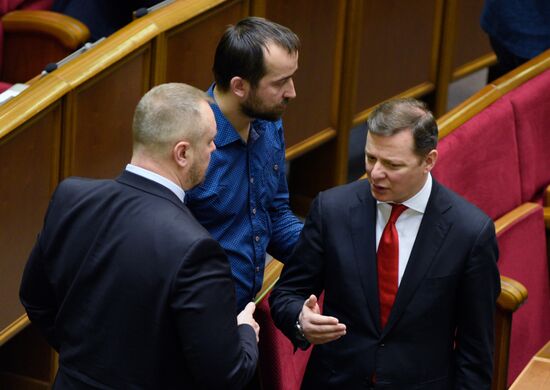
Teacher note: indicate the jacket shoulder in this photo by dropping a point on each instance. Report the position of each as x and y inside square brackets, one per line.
[461, 209]
[345, 192]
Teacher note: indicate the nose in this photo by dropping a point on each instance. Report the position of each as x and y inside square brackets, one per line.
[377, 172]
[213, 147]
[290, 93]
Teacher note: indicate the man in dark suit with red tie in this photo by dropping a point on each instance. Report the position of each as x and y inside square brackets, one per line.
[123, 281]
[408, 270]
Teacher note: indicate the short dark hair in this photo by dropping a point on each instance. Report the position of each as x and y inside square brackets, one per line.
[397, 115]
[240, 50]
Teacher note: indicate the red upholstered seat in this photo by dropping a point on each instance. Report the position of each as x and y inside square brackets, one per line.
[479, 160]
[4, 86]
[531, 104]
[10, 5]
[522, 247]
[280, 367]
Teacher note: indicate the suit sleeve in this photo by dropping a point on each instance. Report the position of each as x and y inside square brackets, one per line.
[302, 275]
[36, 292]
[37, 296]
[479, 291]
[219, 353]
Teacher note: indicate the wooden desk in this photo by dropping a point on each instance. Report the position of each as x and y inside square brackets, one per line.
[536, 375]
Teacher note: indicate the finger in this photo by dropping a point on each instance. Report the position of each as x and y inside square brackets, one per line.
[326, 338]
[320, 329]
[328, 335]
[318, 319]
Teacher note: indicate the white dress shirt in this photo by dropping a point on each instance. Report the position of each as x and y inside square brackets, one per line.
[407, 224]
[176, 189]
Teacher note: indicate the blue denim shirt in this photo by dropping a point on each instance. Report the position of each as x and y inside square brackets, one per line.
[243, 201]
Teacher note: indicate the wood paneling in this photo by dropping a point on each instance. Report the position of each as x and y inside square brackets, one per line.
[397, 50]
[98, 118]
[190, 47]
[319, 24]
[18, 68]
[464, 47]
[27, 361]
[29, 170]
[472, 43]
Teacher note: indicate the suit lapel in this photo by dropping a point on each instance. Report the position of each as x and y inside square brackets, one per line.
[363, 232]
[431, 234]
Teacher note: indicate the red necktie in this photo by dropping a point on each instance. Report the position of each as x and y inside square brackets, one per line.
[388, 264]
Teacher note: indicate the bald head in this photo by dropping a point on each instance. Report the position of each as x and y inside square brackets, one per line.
[166, 114]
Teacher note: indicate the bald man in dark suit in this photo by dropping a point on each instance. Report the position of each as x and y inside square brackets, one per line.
[125, 284]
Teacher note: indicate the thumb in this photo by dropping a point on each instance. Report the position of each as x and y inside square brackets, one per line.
[311, 302]
[250, 308]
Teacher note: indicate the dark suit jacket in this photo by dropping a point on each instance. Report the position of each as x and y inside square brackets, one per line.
[133, 292]
[440, 331]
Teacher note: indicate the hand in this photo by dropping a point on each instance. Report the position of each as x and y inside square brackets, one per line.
[319, 329]
[246, 317]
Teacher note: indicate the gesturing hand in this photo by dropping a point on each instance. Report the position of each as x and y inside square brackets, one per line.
[319, 329]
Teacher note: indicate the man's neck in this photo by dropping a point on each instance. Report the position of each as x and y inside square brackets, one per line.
[157, 166]
[229, 106]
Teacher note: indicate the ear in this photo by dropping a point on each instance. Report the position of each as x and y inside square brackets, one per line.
[430, 160]
[239, 87]
[181, 153]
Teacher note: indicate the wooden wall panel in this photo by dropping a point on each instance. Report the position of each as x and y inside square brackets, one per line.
[464, 47]
[472, 43]
[27, 361]
[399, 43]
[29, 171]
[18, 68]
[190, 47]
[98, 118]
[319, 24]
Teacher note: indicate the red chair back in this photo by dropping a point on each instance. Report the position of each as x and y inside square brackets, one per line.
[479, 160]
[531, 104]
[280, 367]
[522, 248]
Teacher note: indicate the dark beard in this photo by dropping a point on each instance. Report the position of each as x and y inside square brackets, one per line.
[253, 109]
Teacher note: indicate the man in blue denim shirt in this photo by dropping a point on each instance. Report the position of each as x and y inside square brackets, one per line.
[243, 201]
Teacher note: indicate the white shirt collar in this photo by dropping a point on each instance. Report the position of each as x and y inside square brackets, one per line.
[419, 201]
[176, 189]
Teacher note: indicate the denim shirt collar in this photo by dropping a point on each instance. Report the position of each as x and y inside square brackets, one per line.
[227, 133]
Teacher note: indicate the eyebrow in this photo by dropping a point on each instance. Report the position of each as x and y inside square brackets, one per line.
[287, 77]
[385, 160]
[283, 78]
